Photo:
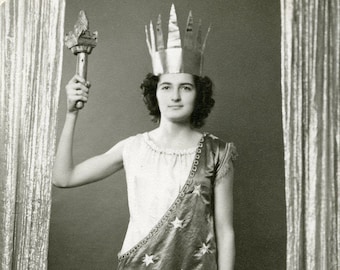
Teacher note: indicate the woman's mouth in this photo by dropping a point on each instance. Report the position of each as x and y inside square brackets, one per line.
[175, 107]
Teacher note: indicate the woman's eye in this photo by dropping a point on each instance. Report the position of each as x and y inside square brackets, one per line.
[165, 87]
[187, 88]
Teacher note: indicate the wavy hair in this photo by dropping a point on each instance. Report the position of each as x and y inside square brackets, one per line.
[204, 101]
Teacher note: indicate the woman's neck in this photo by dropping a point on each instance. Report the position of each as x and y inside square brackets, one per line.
[175, 135]
[173, 129]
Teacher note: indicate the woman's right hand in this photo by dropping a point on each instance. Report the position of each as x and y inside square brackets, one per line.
[77, 89]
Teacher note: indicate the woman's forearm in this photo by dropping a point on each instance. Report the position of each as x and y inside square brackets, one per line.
[226, 250]
[63, 165]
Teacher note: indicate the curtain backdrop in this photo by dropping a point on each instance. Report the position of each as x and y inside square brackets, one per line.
[31, 40]
[310, 91]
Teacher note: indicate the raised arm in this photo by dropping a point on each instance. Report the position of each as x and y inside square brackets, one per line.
[65, 173]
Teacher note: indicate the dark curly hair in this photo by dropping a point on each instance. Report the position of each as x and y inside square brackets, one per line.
[203, 103]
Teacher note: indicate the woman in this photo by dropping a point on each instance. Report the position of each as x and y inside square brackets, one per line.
[179, 180]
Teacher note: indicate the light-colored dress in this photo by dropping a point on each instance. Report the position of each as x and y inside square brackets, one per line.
[170, 196]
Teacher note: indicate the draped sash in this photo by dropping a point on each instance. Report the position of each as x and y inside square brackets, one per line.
[184, 238]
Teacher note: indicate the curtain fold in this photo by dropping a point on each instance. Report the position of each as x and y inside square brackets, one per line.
[31, 43]
[310, 44]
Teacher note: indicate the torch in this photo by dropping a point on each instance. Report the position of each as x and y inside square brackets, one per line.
[81, 42]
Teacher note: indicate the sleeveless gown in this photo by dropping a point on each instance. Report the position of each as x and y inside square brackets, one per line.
[171, 203]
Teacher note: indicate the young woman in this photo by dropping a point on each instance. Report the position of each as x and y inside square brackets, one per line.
[179, 180]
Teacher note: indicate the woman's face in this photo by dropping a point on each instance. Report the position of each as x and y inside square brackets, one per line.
[176, 94]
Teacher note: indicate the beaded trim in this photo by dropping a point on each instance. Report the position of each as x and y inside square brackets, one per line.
[168, 151]
[172, 207]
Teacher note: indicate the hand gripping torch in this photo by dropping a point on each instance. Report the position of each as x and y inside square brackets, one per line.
[81, 42]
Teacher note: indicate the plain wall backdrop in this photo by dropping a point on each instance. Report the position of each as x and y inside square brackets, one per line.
[242, 58]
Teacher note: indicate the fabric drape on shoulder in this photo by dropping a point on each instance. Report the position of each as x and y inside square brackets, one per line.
[184, 238]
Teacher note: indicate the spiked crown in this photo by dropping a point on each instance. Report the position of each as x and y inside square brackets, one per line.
[176, 58]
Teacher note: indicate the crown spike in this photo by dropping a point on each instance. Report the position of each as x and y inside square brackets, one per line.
[159, 33]
[198, 45]
[188, 38]
[205, 38]
[148, 40]
[174, 39]
[152, 36]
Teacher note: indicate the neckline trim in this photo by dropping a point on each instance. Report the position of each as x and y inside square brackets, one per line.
[170, 151]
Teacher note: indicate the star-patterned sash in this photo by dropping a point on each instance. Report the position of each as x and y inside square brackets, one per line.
[184, 238]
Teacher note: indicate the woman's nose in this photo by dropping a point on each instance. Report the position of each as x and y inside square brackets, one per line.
[176, 96]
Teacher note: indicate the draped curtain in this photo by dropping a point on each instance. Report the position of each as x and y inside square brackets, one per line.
[310, 91]
[31, 40]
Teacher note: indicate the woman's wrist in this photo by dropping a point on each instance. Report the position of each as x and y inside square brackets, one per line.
[71, 115]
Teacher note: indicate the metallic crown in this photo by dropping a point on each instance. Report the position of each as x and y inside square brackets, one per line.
[176, 58]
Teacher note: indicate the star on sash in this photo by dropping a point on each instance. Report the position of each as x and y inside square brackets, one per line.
[213, 137]
[148, 259]
[204, 249]
[197, 190]
[178, 223]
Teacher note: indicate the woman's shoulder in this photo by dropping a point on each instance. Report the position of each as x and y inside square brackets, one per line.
[131, 145]
[220, 147]
[215, 140]
[133, 139]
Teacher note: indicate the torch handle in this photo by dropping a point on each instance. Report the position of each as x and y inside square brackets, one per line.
[81, 70]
